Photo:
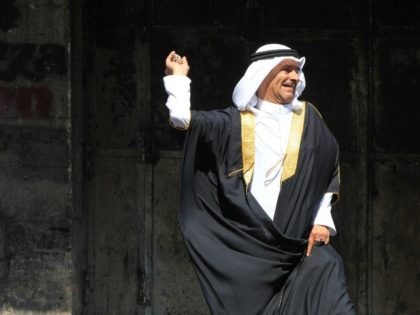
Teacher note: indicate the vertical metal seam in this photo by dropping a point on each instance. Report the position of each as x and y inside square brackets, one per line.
[368, 162]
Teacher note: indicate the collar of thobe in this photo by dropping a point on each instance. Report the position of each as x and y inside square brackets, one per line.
[293, 144]
[273, 108]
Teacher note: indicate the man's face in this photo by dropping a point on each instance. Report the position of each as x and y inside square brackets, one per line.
[279, 85]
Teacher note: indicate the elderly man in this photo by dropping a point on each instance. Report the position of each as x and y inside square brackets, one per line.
[257, 183]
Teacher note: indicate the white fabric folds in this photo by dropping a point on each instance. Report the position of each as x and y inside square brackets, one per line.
[244, 95]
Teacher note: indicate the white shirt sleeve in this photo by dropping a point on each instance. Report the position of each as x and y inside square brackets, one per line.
[323, 215]
[178, 102]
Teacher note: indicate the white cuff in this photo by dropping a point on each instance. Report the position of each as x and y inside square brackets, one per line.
[178, 89]
[323, 214]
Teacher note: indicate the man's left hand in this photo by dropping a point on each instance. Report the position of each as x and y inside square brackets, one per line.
[319, 234]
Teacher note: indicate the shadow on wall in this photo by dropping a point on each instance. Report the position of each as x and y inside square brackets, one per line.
[9, 15]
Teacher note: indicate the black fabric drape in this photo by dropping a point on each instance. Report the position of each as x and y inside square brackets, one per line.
[244, 260]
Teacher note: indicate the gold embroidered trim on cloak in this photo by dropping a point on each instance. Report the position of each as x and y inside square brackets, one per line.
[293, 145]
[233, 173]
[248, 145]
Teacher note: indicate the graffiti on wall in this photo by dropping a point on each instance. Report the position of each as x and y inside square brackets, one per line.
[25, 102]
[31, 61]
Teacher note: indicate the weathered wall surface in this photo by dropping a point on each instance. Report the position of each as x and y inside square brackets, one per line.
[35, 209]
[394, 161]
[117, 73]
[88, 191]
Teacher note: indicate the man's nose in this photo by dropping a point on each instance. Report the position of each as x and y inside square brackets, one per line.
[294, 75]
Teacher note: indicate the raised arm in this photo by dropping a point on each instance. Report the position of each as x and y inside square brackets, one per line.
[177, 86]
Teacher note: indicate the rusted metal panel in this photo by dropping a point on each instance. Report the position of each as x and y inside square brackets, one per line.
[351, 220]
[175, 286]
[331, 73]
[396, 109]
[310, 14]
[395, 238]
[396, 13]
[203, 13]
[113, 105]
[113, 236]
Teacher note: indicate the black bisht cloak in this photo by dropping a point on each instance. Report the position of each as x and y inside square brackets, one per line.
[247, 263]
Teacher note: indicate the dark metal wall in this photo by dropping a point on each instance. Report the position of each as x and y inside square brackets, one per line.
[362, 62]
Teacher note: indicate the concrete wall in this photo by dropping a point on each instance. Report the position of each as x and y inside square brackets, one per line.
[35, 187]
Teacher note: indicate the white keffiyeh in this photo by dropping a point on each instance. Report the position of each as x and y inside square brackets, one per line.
[244, 95]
